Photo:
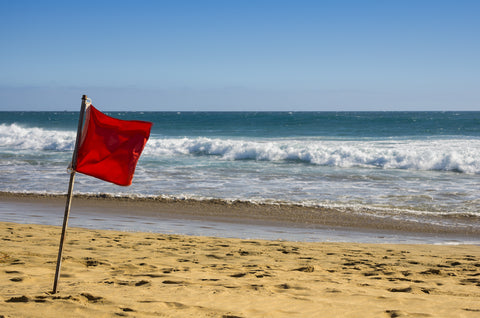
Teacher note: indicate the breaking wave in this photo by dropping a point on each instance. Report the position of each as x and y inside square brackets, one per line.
[14, 137]
[440, 154]
[458, 155]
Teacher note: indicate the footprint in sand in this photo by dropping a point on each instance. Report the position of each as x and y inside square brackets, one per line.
[40, 299]
[126, 309]
[214, 256]
[394, 313]
[471, 309]
[21, 299]
[400, 290]
[173, 282]
[169, 270]
[173, 304]
[142, 283]
[288, 286]
[399, 313]
[17, 262]
[432, 271]
[238, 275]
[307, 269]
[286, 250]
[91, 262]
[467, 281]
[91, 298]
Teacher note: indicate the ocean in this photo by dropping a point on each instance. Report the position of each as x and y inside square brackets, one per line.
[403, 165]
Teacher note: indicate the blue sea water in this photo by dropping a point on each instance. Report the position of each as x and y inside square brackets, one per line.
[397, 163]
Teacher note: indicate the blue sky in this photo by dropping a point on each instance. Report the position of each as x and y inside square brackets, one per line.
[240, 55]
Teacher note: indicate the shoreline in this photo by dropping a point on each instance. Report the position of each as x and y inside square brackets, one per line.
[107, 273]
[234, 215]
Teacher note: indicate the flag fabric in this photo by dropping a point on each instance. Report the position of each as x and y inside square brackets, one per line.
[110, 148]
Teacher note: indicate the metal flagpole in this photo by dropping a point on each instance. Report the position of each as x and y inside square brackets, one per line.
[70, 190]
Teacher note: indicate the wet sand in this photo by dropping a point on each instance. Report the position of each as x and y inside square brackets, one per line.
[113, 273]
[239, 212]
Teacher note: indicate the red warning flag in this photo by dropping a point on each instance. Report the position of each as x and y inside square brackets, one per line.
[110, 147]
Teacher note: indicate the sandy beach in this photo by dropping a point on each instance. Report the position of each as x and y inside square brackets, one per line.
[113, 273]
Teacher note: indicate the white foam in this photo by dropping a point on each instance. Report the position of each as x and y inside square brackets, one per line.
[14, 137]
[448, 154]
[458, 155]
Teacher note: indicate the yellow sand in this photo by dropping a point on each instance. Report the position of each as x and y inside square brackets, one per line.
[109, 274]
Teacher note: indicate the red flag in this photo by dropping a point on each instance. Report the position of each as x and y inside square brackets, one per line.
[110, 147]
